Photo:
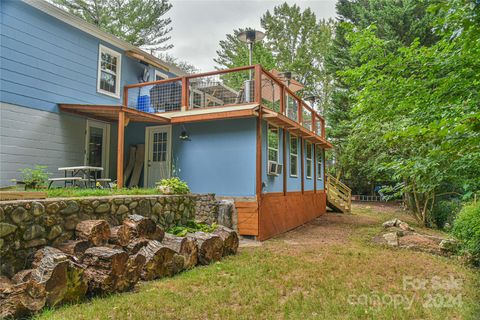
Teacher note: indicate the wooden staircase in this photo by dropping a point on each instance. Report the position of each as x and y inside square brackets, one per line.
[339, 195]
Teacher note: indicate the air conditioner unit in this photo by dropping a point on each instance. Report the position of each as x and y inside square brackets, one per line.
[272, 168]
[279, 168]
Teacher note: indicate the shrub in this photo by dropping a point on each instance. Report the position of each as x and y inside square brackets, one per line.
[190, 227]
[444, 212]
[467, 229]
[173, 186]
[34, 178]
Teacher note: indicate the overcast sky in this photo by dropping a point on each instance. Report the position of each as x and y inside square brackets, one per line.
[199, 25]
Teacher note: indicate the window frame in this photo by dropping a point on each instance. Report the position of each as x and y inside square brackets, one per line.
[319, 164]
[268, 144]
[291, 154]
[161, 74]
[307, 159]
[118, 74]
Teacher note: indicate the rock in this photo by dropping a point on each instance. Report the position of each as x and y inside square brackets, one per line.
[449, 245]
[53, 208]
[102, 208]
[2, 215]
[35, 243]
[404, 226]
[6, 229]
[133, 205]
[55, 231]
[1, 243]
[71, 222]
[390, 223]
[33, 232]
[144, 208]
[19, 214]
[391, 238]
[95, 203]
[72, 207]
[157, 209]
[37, 209]
[122, 209]
[118, 201]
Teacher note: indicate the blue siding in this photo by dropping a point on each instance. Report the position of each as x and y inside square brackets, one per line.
[220, 157]
[45, 61]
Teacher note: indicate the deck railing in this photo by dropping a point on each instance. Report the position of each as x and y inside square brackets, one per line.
[223, 88]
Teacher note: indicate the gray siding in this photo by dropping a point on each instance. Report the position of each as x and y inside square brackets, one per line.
[29, 137]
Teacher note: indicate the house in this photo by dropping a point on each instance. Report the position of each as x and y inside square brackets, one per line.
[72, 94]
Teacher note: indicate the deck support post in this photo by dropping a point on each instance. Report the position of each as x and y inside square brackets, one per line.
[120, 148]
[284, 146]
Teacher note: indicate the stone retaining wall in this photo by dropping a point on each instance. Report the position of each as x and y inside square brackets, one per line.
[27, 225]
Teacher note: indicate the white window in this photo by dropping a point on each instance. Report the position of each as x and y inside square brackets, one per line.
[160, 75]
[109, 71]
[293, 156]
[309, 160]
[319, 163]
[273, 141]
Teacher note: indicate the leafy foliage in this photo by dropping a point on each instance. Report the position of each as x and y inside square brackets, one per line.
[467, 229]
[175, 185]
[36, 177]
[190, 227]
[139, 22]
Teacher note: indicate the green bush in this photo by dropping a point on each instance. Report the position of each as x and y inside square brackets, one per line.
[190, 227]
[444, 212]
[466, 228]
[174, 185]
[34, 178]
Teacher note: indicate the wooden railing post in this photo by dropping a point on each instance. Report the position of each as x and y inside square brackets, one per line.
[185, 94]
[300, 111]
[258, 84]
[120, 148]
[312, 123]
[282, 100]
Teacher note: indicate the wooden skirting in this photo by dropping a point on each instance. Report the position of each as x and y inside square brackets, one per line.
[247, 217]
[21, 195]
[278, 214]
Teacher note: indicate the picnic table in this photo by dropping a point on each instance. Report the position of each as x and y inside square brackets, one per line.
[80, 174]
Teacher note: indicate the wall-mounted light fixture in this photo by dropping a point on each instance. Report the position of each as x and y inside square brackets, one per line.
[184, 135]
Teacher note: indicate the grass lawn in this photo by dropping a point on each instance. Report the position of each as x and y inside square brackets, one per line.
[88, 192]
[327, 269]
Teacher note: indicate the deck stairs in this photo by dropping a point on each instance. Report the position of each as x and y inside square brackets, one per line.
[339, 195]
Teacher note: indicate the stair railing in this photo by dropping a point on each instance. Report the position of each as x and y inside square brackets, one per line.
[339, 193]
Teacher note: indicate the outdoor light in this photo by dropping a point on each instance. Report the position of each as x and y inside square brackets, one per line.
[250, 36]
[184, 136]
[287, 76]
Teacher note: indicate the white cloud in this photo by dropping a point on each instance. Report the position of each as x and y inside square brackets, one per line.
[199, 25]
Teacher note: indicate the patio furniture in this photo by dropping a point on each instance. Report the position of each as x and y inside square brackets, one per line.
[85, 174]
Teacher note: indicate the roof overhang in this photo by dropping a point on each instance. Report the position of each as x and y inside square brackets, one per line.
[110, 113]
[280, 120]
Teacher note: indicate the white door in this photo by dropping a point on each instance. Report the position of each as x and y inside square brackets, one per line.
[97, 145]
[158, 142]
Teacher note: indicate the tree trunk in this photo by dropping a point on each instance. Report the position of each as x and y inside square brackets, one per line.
[210, 247]
[75, 248]
[230, 240]
[135, 245]
[185, 246]
[134, 269]
[159, 260]
[106, 269]
[63, 278]
[114, 235]
[136, 226]
[95, 231]
[20, 299]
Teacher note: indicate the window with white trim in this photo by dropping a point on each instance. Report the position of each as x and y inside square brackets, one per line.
[160, 75]
[273, 141]
[293, 156]
[319, 163]
[309, 158]
[109, 71]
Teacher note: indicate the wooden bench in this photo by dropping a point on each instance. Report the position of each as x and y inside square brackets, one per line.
[66, 180]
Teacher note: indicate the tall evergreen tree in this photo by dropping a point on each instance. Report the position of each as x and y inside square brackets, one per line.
[139, 22]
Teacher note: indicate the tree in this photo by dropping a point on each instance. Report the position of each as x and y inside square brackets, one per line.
[415, 115]
[295, 41]
[399, 23]
[181, 64]
[139, 22]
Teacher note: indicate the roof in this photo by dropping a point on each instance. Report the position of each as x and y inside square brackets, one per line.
[95, 31]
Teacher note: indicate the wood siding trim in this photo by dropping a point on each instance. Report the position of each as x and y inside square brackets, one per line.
[302, 163]
[120, 148]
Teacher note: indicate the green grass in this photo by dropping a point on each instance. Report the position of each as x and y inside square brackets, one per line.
[77, 192]
[309, 273]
